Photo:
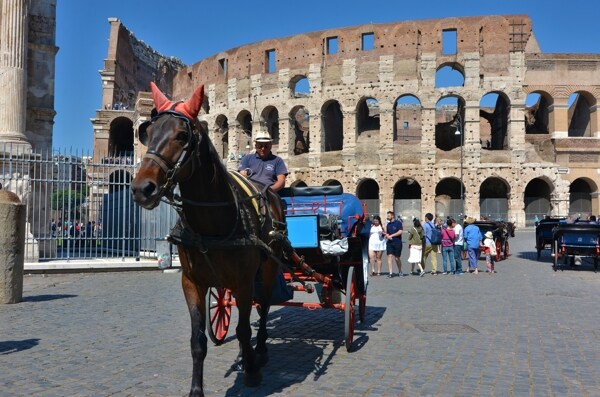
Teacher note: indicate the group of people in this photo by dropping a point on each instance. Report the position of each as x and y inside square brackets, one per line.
[267, 169]
[425, 240]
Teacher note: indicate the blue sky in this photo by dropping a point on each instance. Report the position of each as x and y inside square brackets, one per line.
[192, 30]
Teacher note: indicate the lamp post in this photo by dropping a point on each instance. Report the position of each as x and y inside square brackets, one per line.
[460, 132]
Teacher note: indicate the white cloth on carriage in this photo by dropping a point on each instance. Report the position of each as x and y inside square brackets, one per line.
[334, 247]
[376, 239]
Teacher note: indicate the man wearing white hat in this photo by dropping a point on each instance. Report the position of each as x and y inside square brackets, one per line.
[263, 166]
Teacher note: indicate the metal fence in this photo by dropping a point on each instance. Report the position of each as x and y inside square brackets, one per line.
[78, 208]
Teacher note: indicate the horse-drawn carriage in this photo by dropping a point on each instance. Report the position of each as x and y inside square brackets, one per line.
[580, 239]
[543, 234]
[501, 231]
[328, 248]
[233, 239]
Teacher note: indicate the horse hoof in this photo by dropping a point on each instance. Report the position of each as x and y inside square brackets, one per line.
[195, 392]
[252, 379]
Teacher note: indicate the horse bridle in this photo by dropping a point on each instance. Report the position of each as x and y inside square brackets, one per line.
[171, 170]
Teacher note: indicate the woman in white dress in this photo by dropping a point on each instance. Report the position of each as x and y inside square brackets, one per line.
[376, 245]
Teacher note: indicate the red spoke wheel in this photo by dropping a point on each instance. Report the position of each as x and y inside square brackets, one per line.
[506, 249]
[362, 307]
[218, 313]
[349, 314]
[498, 250]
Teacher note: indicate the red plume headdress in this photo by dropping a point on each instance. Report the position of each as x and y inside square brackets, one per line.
[189, 108]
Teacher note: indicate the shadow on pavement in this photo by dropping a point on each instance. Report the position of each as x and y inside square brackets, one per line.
[13, 346]
[47, 297]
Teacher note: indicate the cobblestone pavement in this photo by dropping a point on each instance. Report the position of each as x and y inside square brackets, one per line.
[524, 331]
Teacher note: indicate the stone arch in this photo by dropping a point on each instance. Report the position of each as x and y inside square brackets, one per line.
[537, 112]
[270, 119]
[536, 199]
[120, 137]
[367, 190]
[407, 198]
[494, 194]
[407, 119]
[298, 183]
[299, 129]
[244, 136]
[450, 74]
[580, 196]
[367, 118]
[300, 86]
[332, 124]
[449, 112]
[222, 135]
[579, 114]
[448, 200]
[332, 182]
[494, 117]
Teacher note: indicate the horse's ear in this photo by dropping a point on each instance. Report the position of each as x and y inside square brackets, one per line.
[193, 105]
[161, 102]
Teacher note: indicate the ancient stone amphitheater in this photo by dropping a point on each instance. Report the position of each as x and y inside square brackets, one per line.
[456, 115]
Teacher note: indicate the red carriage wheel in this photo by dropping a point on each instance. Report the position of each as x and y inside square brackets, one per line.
[349, 314]
[218, 313]
[362, 307]
[506, 249]
[498, 250]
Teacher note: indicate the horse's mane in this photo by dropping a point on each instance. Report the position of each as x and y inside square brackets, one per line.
[207, 146]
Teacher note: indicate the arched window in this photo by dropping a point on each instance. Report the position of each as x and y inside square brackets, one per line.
[407, 120]
[537, 106]
[579, 114]
[300, 87]
[494, 111]
[300, 126]
[449, 122]
[449, 75]
[120, 138]
[333, 126]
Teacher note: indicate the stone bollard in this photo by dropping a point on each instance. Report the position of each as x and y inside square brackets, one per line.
[12, 247]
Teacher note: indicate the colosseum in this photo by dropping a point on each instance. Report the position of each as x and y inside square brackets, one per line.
[452, 116]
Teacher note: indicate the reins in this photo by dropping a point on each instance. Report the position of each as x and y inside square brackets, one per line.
[172, 171]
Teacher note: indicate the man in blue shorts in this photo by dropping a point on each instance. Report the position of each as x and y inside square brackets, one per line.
[394, 242]
[263, 166]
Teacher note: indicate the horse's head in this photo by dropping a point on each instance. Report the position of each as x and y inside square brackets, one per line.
[171, 137]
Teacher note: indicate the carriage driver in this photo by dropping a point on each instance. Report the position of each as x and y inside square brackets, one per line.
[263, 166]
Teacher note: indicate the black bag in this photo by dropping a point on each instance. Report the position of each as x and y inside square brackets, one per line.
[436, 236]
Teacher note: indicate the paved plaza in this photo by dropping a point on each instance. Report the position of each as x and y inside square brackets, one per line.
[525, 331]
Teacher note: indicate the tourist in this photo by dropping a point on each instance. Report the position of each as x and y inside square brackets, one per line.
[473, 236]
[263, 166]
[376, 245]
[430, 248]
[415, 246]
[448, 247]
[393, 238]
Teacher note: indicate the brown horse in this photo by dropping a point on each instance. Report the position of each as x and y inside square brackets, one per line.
[227, 228]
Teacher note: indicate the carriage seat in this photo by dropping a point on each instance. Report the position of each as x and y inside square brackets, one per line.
[316, 190]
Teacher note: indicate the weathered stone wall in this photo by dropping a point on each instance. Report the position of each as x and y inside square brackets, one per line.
[495, 54]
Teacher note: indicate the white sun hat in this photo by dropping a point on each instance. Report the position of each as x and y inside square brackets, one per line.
[262, 136]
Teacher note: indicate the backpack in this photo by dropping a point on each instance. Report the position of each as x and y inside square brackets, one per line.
[436, 236]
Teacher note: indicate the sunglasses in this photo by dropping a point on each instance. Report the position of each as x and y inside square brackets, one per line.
[263, 145]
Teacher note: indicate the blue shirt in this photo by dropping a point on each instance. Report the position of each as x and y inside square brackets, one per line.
[428, 227]
[262, 171]
[473, 236]
[392, 227]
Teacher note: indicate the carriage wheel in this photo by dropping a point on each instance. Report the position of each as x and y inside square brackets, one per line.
[218, 313]
[506, 249]
[555, 259]
[498, 250]
[362, 307]
[349, 314]
[538, 247]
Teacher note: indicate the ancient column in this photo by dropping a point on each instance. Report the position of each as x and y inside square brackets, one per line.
[13, 74]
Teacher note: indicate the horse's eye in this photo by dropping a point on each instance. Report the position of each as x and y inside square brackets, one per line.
[183, 136]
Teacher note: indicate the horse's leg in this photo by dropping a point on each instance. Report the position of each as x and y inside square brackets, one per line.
[269, 276]
[195, 298]
[252, 375]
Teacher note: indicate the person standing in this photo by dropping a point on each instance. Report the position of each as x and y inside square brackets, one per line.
[415, 246]
[473, 236]
[448, 247]
[376, 245]
[430, 249]
[263, 166]
[458, 247]
[393, 237]
[489, 247]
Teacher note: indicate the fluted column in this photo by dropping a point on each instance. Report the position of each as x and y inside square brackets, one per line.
[13, 76]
